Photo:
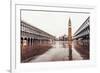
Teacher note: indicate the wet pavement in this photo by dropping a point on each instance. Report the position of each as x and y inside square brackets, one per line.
[59, 52]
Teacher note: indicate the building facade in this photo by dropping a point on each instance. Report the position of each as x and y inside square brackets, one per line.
[34, 41]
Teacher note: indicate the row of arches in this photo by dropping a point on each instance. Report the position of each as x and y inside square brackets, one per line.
[26, 41]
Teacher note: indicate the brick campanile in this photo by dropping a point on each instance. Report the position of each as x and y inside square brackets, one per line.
[70, 39]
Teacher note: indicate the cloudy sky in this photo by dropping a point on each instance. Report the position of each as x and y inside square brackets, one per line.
[55, 23]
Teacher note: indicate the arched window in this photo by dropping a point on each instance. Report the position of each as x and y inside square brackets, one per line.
[31, 42]
[28, 41]
[21, 40]
[25, 41]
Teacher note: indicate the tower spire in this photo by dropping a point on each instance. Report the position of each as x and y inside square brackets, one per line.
[69, 22]
[69, 30]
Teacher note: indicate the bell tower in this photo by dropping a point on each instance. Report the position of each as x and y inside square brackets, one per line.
[70, 39]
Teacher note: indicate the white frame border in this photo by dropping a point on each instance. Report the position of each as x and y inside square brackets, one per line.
[16, 67]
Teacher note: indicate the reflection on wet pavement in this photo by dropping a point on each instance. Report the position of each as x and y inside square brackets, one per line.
[59, 52]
